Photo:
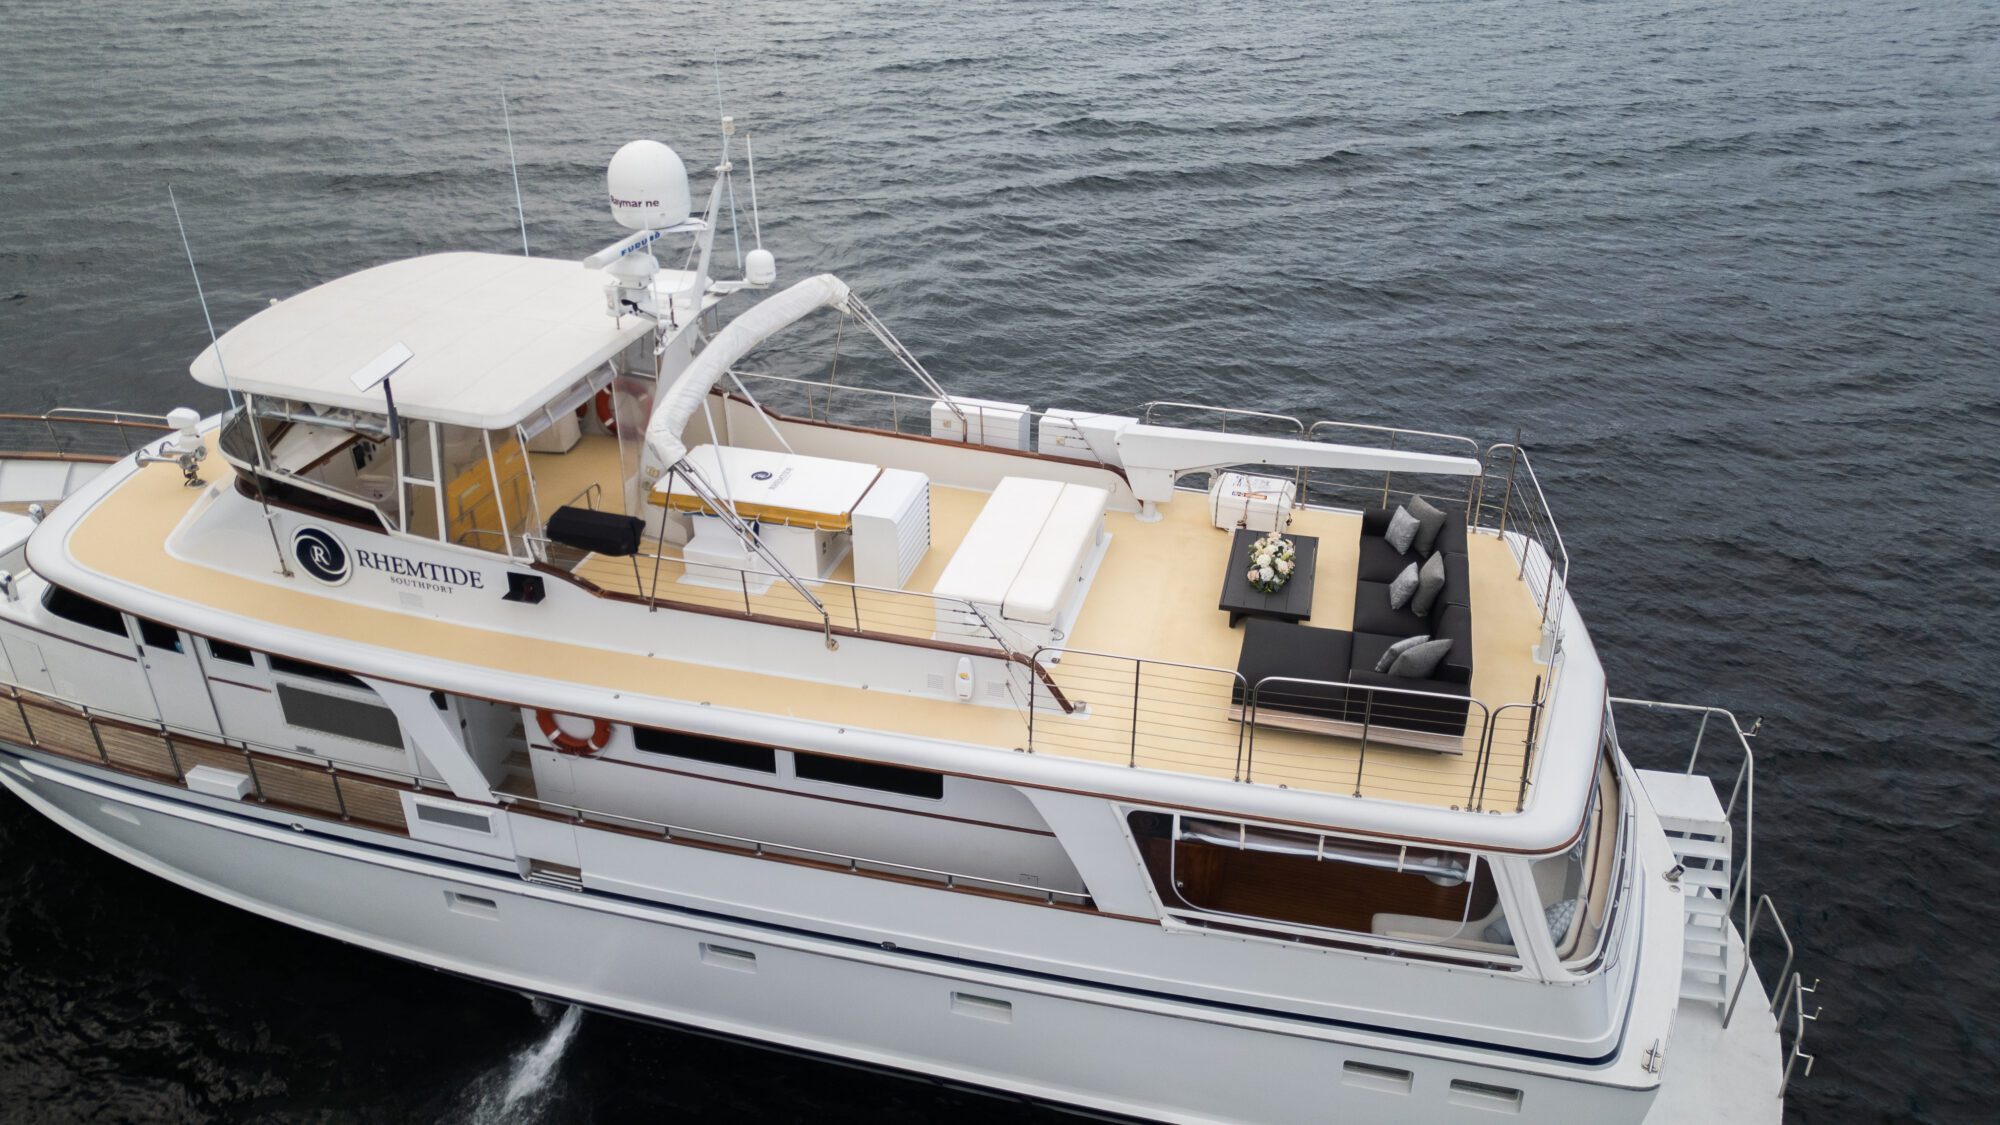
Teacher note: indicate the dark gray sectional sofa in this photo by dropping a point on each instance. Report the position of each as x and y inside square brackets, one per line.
[1344, 661]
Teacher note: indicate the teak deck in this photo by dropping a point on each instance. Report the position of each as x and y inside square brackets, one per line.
[1153, 595]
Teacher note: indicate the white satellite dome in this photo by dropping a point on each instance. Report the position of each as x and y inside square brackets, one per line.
[648, 186]
[759, 267]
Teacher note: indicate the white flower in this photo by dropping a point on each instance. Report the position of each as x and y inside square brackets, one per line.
[1284, 566]
[1265, 572]
[1254, 572]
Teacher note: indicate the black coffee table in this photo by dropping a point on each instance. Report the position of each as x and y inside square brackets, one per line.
[1292, 603]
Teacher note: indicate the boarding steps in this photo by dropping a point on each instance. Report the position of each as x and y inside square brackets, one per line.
[1698, 831]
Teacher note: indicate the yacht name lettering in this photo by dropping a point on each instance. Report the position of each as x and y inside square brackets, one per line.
[437, 575]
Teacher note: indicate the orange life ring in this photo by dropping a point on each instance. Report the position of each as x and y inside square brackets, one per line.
[607, 410]
[567, 743]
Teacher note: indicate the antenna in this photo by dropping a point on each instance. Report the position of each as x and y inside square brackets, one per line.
[756, 228]
[515, 168]
[215, 344]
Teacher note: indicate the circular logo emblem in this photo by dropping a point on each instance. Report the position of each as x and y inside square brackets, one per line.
[761, 474]
[321, 555]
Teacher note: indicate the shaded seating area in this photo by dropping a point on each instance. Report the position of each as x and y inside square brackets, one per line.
[1319, 680]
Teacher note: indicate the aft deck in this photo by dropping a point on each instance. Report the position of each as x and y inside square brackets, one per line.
[1163, 704]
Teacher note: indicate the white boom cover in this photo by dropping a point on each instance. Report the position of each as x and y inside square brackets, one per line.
[677, 405]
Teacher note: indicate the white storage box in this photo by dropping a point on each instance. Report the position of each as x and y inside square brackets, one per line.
[892, 529]
[560, 436]
[1258, 503]
[1081, 435]
[1000, 424]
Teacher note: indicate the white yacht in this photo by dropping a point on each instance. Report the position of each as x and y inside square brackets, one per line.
[1187, 763]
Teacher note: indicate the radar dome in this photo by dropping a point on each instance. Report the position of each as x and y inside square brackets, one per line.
[648, 185]
[759, 267]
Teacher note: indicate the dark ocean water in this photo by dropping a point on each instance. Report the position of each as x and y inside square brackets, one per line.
[1731, 270]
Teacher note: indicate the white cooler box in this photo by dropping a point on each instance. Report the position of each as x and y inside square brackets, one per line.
[1003, 425]
[1258, 503]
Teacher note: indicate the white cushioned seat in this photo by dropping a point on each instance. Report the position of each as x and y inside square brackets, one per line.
[1024, 556]
[997, 544]
[1054, 568]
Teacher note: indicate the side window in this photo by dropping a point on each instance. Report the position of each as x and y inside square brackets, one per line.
[292, 667]
[695, 748]
[869, 775]
[84, 611]
[156, 635]
[229, 653]
[1374, 887]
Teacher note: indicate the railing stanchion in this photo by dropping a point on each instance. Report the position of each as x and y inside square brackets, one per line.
[1361, 753]
[1138, 667]
[339, 798]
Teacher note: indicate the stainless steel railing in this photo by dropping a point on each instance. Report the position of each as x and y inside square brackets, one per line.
[81, 433]
[1787, 990]
[1193, 718]
[1520, 515]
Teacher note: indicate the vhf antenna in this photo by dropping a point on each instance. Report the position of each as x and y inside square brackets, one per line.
[215, 344]
[515, 168]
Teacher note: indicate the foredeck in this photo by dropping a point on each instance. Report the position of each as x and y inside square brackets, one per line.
[1154, 597]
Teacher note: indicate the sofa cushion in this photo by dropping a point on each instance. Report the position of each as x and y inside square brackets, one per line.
[1455, 622]
[1403, 587]
[1419, 660]
[1451, 537]
[1430, 584]
[1389, 654]
[1380, 562]
[1402, 530]
[1442, 709]
[1457, 580]
[1280, 648]
[1373, 614]
[1430, 521]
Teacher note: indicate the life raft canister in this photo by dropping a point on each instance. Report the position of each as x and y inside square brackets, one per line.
[567, 743]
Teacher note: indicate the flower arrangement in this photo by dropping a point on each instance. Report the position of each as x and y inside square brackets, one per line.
[1271, 563]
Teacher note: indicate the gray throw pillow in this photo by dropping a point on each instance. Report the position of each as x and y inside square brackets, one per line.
[1419, 661]
[1403, 528]
[1430, 583]
[1430, 521]
[1403, 587]
[1398, 649]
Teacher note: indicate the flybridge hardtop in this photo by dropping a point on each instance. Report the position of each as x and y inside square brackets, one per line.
[492, 338]
[522, 605]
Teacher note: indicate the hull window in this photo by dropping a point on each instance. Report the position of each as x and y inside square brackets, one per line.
[743, 756]
[869, 775]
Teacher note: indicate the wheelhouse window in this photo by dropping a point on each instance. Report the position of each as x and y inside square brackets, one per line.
[229, 653]
[869, 775]
[90, 613]
[320, 672]
[717, 751]
[1225, 869]
[155, 635]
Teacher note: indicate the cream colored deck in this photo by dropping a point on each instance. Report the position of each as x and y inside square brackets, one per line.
[1155, 595]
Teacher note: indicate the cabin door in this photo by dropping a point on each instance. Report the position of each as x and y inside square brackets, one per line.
[180, 688]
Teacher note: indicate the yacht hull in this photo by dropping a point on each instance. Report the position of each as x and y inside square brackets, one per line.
[1042, 1040]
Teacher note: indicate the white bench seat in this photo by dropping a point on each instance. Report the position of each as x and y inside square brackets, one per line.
[1026, 556]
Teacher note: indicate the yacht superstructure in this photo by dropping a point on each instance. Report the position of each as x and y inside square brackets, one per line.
[514, 620]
